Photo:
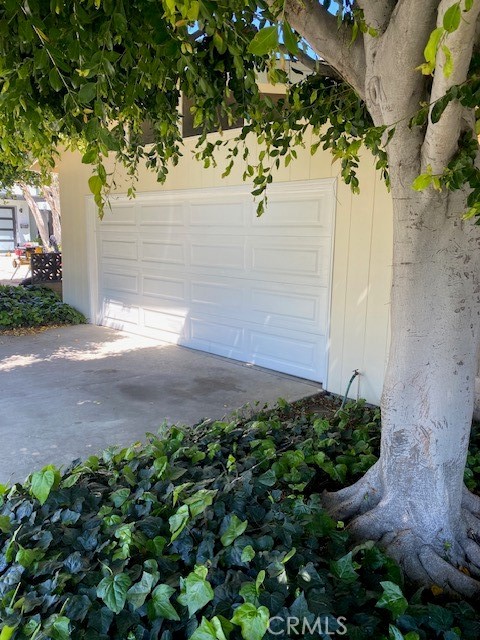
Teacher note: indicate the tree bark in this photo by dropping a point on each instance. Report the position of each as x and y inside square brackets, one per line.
[51, 193]
[413, 501]
[33, 206]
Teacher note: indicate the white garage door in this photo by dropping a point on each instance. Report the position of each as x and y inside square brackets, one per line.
[198, 268]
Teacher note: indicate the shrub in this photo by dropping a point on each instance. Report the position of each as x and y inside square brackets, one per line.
[207, 533]
[33, 306]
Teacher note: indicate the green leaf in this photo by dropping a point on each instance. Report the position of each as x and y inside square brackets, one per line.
[235, 529]
[253, 621]
[290, 39]
[248, 553]
[7, 632]
[392, 599]
[452, 17]
[448, 64]
[120, 496]
[218, 628]
[55, 79]
[26, 557]
[265, 41]
[178, 521]
[60, 628]
[200, 501]
[430, 51]
[219, 42]
[160, 604]
[196, 590]
[113, 591]
[5, 524]
[43, 481]
[344, 568]
[422, 182]
[138, 593]
[87, 93]
[95, 185]
[90, 156]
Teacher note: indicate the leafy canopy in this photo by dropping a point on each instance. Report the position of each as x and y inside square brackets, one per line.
[88, 74]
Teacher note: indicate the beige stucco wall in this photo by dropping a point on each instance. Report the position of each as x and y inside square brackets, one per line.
[359, 327]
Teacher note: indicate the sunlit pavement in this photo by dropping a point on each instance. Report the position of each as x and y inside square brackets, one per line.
[10, 274]
[70, 392]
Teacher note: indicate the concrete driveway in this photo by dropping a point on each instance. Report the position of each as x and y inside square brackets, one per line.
[68, 393]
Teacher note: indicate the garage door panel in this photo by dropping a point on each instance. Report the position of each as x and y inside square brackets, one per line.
[172, 323]
[120, 312]
[217, 337]
[305, 309]
[294, 353]
[156, 215]
[120, 281]
[214, 214]
[217, 297]
[164, 288]
[120, 215]
[218, 253]
[296, 213]
[295, 261]
[119, 247]
[163, 251]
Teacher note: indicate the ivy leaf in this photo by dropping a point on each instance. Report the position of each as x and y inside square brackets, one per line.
[61, 628]
[160, 605]
[113, 591]
[452, 17]
[212, 630]
[26, 557]
[5, 524]
[7, 632]
[234, 529]
[392, 599]
[43, 481]
[252, 621]
[196, 590]
[344, 568]
[265, 41]
[178, 521]
[248, 553]
[200, 501]
[138, 593]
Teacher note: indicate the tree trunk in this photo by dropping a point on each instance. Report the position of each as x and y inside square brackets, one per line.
[413, 501]
[51, 193]
[33, 206]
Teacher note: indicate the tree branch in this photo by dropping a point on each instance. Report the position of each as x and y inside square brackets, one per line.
[318, 67]
[377, 12]
[332, 42]
[441, 138]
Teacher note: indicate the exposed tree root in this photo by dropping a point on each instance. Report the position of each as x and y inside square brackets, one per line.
[356, 499]
[449, 561]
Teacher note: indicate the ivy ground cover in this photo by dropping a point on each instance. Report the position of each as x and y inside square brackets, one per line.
[214, 532]
[33, 306]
